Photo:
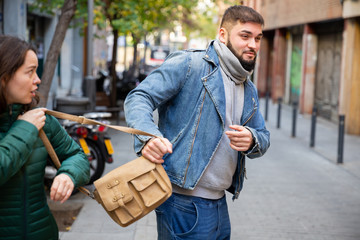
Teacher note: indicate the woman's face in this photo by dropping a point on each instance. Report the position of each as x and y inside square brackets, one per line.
[22, 86]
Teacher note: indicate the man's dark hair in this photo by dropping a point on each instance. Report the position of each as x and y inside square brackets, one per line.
[240, 13]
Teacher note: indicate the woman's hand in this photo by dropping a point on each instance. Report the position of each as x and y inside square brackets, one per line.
[61, 188]
[156, 148]
[36, 117]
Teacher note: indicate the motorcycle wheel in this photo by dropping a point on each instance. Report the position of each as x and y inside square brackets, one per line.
[97, 163]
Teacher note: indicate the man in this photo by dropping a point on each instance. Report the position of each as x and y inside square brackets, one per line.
[209, 120]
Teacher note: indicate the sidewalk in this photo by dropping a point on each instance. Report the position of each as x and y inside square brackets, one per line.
[326, 136]
[93, 223]
[292, 192]
[297, 192]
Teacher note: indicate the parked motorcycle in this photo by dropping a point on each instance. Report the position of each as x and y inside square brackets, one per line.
[99, 144]
[103, 82]
[95, 143]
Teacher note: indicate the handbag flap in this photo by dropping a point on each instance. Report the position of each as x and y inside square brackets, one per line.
[115, 196]
[144, 181]
[113, 188]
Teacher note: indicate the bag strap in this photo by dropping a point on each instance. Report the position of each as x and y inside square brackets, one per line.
[56, 161]
[81, 120]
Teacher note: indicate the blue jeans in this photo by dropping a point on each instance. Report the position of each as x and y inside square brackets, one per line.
[187, 217]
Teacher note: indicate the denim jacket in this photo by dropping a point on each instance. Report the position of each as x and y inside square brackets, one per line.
[188, 92]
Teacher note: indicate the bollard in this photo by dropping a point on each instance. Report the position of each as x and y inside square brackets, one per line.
[313, 127]
[267, 96]
[279, 112]
[341, 139]
[294, 116]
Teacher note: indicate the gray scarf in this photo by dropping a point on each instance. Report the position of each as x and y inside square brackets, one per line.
[230, 64]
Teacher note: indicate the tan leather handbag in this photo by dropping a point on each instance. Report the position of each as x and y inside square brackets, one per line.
[131, 191]
[128, 192]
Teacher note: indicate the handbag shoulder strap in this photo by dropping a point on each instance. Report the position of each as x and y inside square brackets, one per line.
[81, 120]
[56, 161]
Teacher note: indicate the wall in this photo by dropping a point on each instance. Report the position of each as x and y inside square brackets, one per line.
[322, 67]
[281, 13]
[328, 75]
[308, 70]
[15, 18]
[1, 17]
[278, 65]
[295, 68]
[349, 99]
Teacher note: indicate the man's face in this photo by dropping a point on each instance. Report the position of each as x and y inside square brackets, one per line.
[243, 40]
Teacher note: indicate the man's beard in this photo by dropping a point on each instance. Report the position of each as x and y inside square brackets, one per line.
[247, 65]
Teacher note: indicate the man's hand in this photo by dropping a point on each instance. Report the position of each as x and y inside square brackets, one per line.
[241, 139]
[61, 188]
[156, 148]
[36, 117]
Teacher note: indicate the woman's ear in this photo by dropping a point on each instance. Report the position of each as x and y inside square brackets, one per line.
[3, 83]
[223, 35]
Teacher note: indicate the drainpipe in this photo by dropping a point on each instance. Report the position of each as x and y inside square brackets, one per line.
[90, 79]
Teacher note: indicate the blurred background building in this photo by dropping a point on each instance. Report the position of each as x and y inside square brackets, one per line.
[16, 18]
[310, 54]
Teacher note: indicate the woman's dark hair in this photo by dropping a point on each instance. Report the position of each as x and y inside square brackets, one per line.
[12, 56]
[240, 13]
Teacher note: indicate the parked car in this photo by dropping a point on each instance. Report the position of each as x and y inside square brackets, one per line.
[125, 84]
[128, 80]
[157, 57]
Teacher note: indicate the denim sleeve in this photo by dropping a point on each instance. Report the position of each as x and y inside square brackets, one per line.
[259, 133]
[157, 89]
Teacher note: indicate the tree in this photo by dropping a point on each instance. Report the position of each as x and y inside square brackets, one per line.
[139, 17]
[67, 13]
[135, 17]
[203, 21]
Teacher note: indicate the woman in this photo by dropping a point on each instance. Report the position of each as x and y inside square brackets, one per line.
[24, 213]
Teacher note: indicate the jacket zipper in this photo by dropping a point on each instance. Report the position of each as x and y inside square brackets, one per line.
[25, 202]
[192, 144]
[252, 114]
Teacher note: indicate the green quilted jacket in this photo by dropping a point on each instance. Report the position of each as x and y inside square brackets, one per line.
[24, 213]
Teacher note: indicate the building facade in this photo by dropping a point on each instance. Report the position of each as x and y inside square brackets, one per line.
[310, 54]
[18, 19]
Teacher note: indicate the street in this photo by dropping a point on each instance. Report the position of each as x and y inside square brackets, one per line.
[292, 192]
